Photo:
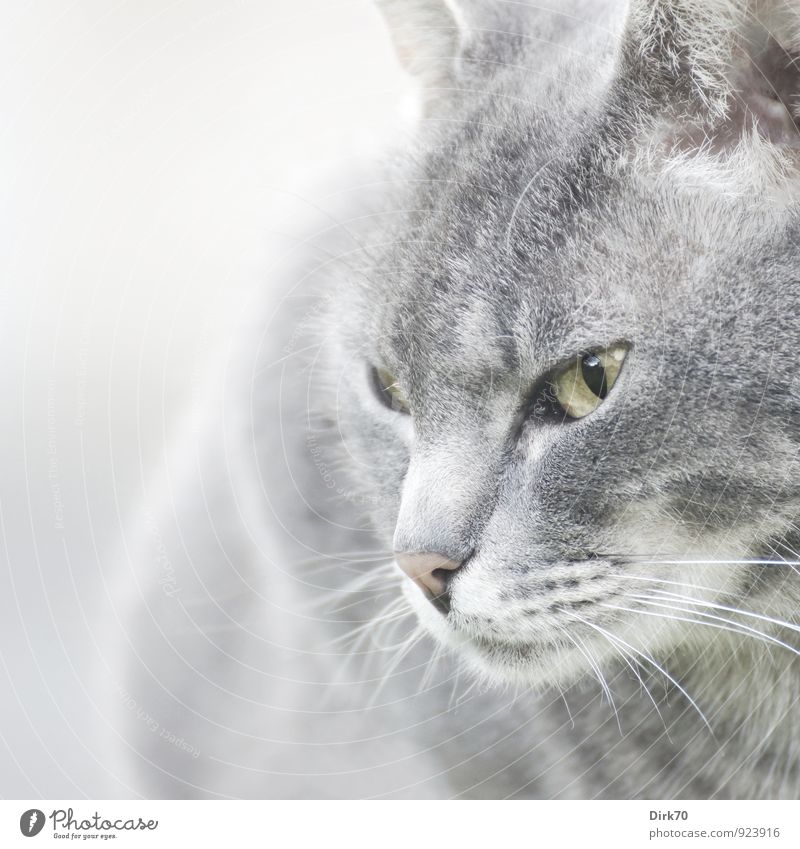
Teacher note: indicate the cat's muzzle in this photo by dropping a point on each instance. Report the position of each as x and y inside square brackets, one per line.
[432, 573]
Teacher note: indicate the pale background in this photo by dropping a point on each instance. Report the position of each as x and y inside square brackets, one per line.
[153, 155]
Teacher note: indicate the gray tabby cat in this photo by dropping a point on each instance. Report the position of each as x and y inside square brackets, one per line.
[524, 426]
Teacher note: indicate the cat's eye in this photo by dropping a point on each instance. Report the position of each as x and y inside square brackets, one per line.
[388, 390]
[582, 385]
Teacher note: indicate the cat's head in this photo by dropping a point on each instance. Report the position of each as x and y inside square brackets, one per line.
[569, 378]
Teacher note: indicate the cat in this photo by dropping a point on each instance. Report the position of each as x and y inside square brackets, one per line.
[498, 500]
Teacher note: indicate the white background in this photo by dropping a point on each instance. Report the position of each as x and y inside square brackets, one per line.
[153, 154]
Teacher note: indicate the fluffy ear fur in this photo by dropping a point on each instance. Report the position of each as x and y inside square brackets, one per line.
[427, 38]
[735, 64]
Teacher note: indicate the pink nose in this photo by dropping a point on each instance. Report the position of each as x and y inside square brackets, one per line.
[428, 570]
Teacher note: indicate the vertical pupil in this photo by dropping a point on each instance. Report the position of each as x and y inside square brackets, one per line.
[594, 375]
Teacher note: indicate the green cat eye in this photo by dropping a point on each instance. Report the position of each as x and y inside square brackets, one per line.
[582, 385]
[388, 391]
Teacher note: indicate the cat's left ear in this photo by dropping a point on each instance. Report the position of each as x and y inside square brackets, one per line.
[427, 37]
[733, 64]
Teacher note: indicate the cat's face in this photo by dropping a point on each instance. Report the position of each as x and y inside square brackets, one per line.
[577, 384]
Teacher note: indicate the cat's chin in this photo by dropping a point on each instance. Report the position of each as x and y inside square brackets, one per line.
[536, 665]
[540, 664]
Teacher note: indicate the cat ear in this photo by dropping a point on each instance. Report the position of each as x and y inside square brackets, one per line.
[427, 39]
[733, 65]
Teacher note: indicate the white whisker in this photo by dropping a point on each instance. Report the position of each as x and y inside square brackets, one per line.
[702, 603]
[649, 660]
[731, 626]
[597, 672]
